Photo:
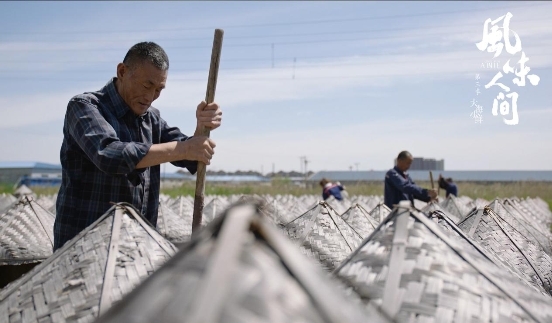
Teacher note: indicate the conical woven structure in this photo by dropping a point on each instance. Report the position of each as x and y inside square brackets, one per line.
[380, 212]
[90, 272]
[323, 235]
[434, 206]
[456, 208]
[239, 269]
[22, 191]
[215, 207]
[475, 249]
[416, 272]
[506, 243]
[6, 201]
[26, 233]
[360, 220]
[175, 228]
[527, 229]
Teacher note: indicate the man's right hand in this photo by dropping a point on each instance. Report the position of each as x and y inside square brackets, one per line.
[200, 148]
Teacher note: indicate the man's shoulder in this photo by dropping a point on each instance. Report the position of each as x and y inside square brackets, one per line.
[93, 98]
[391, 172]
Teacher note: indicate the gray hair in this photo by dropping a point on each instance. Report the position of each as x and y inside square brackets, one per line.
[404, 155]
[147, 51]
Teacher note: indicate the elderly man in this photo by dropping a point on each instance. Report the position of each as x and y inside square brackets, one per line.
[399, 186]
[114, 142]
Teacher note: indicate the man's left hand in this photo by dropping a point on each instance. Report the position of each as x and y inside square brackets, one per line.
[208, 115]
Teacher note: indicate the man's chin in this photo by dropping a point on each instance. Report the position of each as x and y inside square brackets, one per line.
[140, 110]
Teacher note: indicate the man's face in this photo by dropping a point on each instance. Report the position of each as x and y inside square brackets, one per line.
[139, 85]
[404, 164]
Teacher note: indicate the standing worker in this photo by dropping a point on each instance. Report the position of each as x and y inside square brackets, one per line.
[448, 185]
[114, 142]
[399, 186]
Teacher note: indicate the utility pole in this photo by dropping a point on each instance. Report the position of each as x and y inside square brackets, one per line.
[302, 163]
[306, 173]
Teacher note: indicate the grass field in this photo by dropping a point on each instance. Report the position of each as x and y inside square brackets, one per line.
[486, 191]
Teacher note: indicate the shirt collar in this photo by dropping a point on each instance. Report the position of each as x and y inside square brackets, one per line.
[120, 108]
[400, 171]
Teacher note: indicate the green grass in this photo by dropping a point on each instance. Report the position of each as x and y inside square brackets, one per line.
[487, 191]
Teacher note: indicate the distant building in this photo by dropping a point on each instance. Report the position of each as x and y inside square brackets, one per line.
[420, 163]
[491, 176]
[30, 173]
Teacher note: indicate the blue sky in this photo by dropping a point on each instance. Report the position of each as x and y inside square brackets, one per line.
[339, 82]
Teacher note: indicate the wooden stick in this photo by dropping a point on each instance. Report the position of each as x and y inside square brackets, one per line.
[209, 98]
[431, 178]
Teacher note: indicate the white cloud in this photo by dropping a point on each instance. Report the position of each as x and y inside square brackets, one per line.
[462, 143]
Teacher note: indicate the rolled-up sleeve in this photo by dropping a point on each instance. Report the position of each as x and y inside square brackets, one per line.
[99, 141]
[169, 134]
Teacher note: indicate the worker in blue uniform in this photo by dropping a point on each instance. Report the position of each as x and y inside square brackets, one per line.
[448, 185]
[399, 186]
[331, 189]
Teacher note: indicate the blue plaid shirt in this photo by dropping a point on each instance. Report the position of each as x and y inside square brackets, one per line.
[103, 142]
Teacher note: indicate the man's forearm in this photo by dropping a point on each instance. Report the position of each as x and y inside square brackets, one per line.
[161, 153]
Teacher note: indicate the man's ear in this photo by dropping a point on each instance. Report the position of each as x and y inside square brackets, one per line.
[121, 70]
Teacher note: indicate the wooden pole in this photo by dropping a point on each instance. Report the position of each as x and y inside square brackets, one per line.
[209, 98]
[431, 178]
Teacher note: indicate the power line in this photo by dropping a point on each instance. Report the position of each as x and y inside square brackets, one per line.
[322, 21]
[237, 79]
[268, 44]
[356, 31]
[295, 66]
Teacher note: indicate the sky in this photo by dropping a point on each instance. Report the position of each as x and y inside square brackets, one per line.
[348, 85]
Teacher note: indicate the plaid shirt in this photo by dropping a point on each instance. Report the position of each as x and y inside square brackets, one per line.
[103, 142]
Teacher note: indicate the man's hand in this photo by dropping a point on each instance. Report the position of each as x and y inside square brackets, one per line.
[208, 116]
[200, 148]
[432, 193]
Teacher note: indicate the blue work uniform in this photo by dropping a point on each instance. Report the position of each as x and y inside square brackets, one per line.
[399, 187]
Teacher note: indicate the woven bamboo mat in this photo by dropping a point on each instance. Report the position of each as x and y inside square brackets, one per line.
[175, 228]
[239, 269]
[416, 272]
[26, 233]
[6, 202]
[89, 273]
[323, 235]
[455, 207]
[436, 207]
[380, 212]
[535, 233]
[507, 243]
[360, 220]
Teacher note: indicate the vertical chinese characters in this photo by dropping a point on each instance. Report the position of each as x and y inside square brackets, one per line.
[477, 114]
[496, 39]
